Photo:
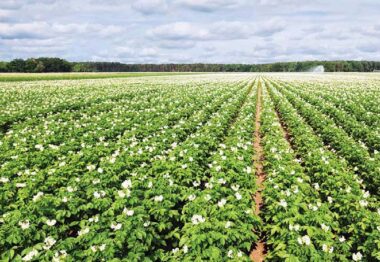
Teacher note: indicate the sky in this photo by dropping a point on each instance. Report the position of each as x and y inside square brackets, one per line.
[190, 31]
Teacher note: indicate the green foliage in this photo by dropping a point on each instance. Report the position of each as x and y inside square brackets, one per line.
[3, 67]
[39, 65]
[330, 66]
[161, 169]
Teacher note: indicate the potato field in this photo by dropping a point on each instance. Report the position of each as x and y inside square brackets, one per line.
[200, 167]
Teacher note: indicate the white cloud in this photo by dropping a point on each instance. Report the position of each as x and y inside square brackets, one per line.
[180, 31]
[190, 30]
[232, 30]
[372, 30]
[148, 7]
[277, 2]
[210, 5]
[45, 30]
[85, 28]
[23, 30]
[131, 53]
[174, 44]
[10, 4]
[222, 30]
[370, 47]
[149, 52]
[5, 15]
[270, 27]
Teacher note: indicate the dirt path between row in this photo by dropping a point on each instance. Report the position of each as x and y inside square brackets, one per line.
[258, 253]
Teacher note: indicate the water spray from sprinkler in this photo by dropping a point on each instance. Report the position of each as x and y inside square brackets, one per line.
[317, 69]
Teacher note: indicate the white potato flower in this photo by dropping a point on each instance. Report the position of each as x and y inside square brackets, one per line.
[30, 255]
[304, 240]
[324, 227]
[197, 219]
[37, 196]
[94, 219]
[83, 231]
[329, 199]
[235, 187]
[238, 196]
[128, 212]
[24, 224]
[207, 197]
[283, 203]
[222, 202]
[59, 256]
[357, 256]
[221, 181]
[192, 197]
[91, 167]
[158, 198]
[127, 184]
[49, 242]
[51, 222]
[102, 247]
[4, 179]
[116, 226]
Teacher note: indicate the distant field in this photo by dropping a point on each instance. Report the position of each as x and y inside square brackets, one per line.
[15, 77]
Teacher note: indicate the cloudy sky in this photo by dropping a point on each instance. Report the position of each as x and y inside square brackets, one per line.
[188, 31]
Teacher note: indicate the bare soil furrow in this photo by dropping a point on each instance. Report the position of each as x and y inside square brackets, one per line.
[258, 252]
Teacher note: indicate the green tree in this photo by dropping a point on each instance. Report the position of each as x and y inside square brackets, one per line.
[3, 67]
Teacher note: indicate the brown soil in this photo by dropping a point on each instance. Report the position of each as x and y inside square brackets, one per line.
[283, 128]
[258, 253]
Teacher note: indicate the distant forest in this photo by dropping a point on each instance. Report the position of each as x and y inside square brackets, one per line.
[46, 65]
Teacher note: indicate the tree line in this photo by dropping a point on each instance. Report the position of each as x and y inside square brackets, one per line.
[47, 64]
[37, 65]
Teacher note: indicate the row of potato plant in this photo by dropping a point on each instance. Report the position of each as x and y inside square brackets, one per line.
[185, 166]
[96, 140]
[293, 230]
[26, 101]
[355, 94]
[355, 210]
[223, 225]
[358, 157]
[362, 133]
[82, 204]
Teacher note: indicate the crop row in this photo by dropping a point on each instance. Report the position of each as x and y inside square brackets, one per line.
[358, 157]
[162, 169]
[36, 100]
[356, 215]
[360, 132]
[223, 226]
[77, 195]
[295, 215]
[356, 99]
